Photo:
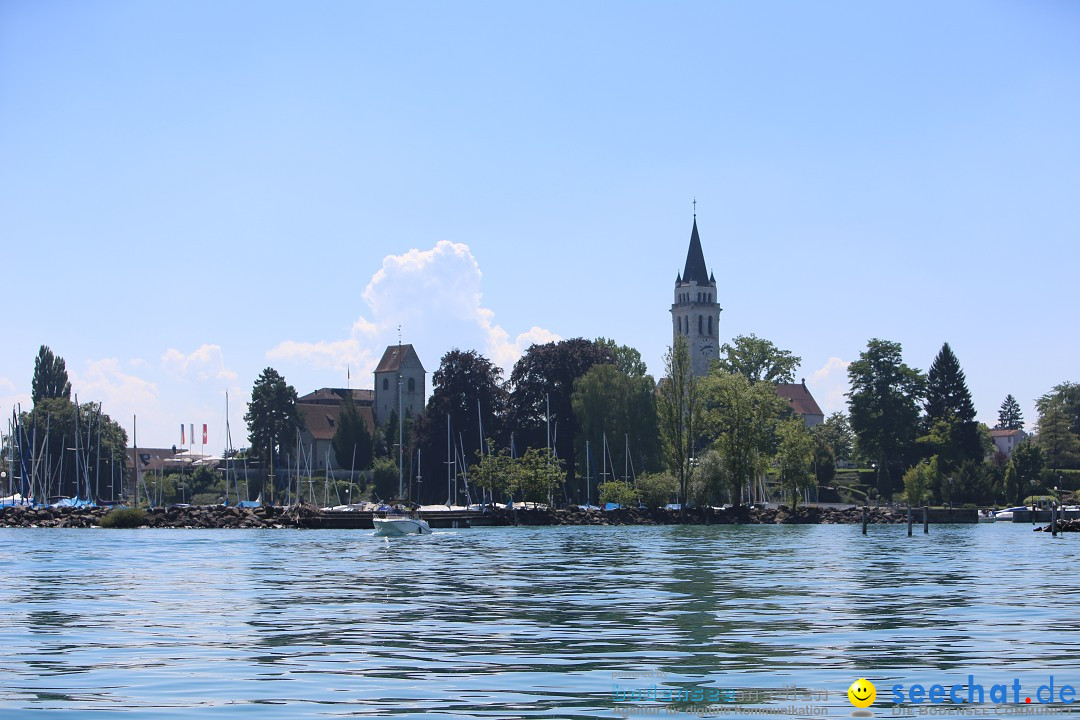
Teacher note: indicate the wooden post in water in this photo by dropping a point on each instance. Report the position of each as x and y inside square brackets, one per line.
[926, 519]
[1053, 520]
[909, 520]
[864, 510]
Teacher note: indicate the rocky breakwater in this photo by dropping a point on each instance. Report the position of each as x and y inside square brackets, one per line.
[740, 515]
[1063, 526]
[203, 516]
[68, 517]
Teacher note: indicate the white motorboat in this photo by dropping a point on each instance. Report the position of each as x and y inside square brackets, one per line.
[1007, 513]
[399, 525]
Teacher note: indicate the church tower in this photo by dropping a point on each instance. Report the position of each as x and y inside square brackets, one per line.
[695, 313]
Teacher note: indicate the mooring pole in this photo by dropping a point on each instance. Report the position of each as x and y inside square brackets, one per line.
[863, 519]
[909, 520]
[1053, 520]
[926, 519]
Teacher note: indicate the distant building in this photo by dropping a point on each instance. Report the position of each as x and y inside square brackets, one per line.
[802, 402]
[1007, 440]
[399, 371]
[320, 411]
[695, 312]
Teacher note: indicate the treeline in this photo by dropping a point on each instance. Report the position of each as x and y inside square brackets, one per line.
[918, 431]
[614, 432]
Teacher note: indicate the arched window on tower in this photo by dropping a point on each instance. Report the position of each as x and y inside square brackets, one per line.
[686, 324]
[710, 326]
[678, 323]
[385, 384]
[700, 323]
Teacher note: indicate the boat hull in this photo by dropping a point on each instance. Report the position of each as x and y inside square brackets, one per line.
[397, 527]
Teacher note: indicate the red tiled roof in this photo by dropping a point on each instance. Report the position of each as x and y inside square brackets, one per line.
[1004, 433]
[802, 402]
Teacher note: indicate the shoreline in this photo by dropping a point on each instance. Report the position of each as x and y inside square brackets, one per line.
[307, 517]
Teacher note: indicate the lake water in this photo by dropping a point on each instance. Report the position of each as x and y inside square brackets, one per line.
[524, 622]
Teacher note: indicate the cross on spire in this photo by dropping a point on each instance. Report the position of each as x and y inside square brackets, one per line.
[695, 208]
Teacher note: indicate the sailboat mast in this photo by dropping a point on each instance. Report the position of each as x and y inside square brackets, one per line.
[449, 463]
[135, 458]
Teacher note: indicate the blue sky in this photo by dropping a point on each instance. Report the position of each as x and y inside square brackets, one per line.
[193, 191]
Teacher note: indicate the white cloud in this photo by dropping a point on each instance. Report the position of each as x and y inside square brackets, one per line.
[435, 296]
[206, 362]
[120, 394]
[829, 384]
[11, 399]
[337, 355]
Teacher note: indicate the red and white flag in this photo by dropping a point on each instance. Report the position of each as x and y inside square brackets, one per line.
[204, 433]
[192, 433]
[182, 434]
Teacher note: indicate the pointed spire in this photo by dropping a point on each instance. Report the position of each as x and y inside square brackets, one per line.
[678, 278]
[695, 260]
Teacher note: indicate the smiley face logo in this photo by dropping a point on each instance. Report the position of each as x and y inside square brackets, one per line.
[862, 693]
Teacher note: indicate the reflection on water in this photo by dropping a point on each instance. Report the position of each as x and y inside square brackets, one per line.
[518, 622]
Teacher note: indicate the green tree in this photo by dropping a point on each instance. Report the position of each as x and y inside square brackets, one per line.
[708, 481]
[948, 402]
[608, 402]
[618, 492]
[384, 478]
[656, 489]
[466, 388]
[824, 457]
[837, 434]
[679, 410]
[627, 359]
[884, 404]
[1011, 484]
[50, 377]
[919, 479]
[352, 443]
[1060, 445]
[542, 379]
[1028, 462]
[1065, 397]
[1009, 416]
[758, 359]
[272, 419]
[494, 472]
[795, 458]
[742, 417]
[536, 475]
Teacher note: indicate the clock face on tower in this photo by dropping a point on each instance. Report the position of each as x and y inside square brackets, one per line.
[705, 349]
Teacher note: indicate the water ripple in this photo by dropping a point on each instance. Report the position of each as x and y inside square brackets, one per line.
[516, 622]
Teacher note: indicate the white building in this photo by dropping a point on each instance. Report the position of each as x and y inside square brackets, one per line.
[1007, 440]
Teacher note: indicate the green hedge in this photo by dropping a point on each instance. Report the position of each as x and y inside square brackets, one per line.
[124, 518]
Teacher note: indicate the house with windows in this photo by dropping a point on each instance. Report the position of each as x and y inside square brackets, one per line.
[1006, 440]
